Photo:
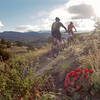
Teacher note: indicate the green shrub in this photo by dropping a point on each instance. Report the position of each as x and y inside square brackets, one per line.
[4, 55]
[48, 96]
[30, 47]
[2, 46]
[15, 82]
[96, 81]
[3, 41]
[19, 43]
[8, 43]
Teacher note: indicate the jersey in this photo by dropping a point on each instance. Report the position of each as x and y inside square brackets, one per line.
[56, 26]
[70, 27]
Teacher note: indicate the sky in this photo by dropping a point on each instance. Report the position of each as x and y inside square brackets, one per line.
[38, 15]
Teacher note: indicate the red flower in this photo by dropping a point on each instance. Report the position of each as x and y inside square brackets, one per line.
[77, 70]
[90, 70]
[87, 77]
[72, 83]
[68, 76]
[77, 73]
[86, 70]
[72, 73]
[65, 84]
[75, 78]
[81, 70]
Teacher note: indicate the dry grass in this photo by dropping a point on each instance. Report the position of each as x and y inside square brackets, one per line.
[86, 51]
[16, 49]
[92, 57]
[31, 56]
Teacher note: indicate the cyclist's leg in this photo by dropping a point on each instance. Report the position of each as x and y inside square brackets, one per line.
[53, 46]
[73, 40]
[60, 43]
[58, 37]
[72, 35]
[57, 48]
[69, 38]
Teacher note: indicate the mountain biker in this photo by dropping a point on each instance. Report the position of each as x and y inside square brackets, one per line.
[55, 30]
[70, 28]
[70, 32]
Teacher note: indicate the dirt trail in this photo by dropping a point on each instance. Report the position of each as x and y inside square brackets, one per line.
[59, 67]
[66, 61]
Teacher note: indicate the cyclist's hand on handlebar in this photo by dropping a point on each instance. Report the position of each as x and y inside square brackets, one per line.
[66, 30]
[75, 31]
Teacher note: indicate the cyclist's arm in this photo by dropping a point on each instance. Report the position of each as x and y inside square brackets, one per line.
[74, 28]
[52, 27]
[63, 26]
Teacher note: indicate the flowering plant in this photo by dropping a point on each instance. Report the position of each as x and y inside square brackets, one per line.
[78, 80]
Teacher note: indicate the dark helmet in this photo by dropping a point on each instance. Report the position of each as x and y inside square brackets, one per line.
[57, 18]
[71, 22]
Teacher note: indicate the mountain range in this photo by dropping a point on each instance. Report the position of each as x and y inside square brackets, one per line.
[22, 36]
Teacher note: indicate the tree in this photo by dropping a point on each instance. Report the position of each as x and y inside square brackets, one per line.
[3, 41]
[8, 43]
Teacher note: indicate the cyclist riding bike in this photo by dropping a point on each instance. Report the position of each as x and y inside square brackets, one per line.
[70, 32]
[55, 30]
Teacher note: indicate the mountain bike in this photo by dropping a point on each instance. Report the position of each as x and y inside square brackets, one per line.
[57, 46]
[71, 38]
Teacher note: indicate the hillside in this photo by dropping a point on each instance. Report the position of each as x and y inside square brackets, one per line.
[73, 57]
[23, 36]
[36, 39]
[84, 53]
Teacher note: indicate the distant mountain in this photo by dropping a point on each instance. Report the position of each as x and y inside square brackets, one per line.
[23, 36]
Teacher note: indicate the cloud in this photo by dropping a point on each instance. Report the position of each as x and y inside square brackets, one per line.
[1, 24]
[78, 11]
[81, 11]
[23, 28]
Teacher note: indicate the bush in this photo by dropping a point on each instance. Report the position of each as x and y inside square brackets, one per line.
[19, 43]
[4, 55]
[2, 46]
[8, 43]
[48, 96]
[3, 41]
[96, 81]
[30, 47]
[16, 82]
[78, 81]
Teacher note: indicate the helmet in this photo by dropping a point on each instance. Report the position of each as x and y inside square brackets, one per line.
[57, 18]
[71, 22]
